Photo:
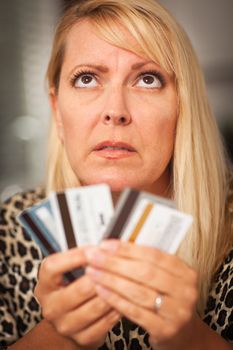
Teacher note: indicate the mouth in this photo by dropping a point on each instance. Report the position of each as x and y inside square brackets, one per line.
[114, 150]
[114, 146]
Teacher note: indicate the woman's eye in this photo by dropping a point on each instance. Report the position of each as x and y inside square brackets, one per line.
[85, 80]
[149, 81]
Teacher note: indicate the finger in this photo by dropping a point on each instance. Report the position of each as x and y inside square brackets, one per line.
[92, 334]
[153, 255]
[65, 299]
[82, 317]
[145, 318]
[145, 273]
[135, 293]
[53, 267]
[158, 327]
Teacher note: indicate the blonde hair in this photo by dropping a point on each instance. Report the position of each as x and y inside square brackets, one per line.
[199, 170]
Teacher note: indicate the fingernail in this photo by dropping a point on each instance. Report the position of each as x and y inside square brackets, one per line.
[110, 245]
[90, 253]
[94, 255]
[93, 273]
[114, 316]
[103, 292]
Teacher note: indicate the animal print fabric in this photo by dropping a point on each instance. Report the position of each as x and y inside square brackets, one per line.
[19, 261]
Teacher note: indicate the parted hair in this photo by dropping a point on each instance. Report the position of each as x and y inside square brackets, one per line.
[199, 171]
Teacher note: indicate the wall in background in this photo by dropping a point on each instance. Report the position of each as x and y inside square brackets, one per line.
[209, 25]
[26, 30]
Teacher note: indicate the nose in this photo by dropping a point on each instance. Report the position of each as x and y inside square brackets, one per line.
[115, 111]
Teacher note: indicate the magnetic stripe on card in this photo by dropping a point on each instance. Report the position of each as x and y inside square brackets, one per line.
[124, 214]
[70, 276]
[66, 220]
[140, 222]
[38, 233]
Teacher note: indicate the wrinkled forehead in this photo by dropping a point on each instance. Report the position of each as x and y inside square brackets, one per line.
[146, 39]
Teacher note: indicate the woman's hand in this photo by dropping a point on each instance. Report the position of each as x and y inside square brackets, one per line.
[130, 277]
[75, 310]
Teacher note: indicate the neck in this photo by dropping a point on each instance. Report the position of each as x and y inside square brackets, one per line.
[163, 190]
[115, 197]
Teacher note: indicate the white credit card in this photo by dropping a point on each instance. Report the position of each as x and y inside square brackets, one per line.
[148, 220]
[81, 214]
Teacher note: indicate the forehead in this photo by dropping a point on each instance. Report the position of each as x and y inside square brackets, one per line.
[84, 41]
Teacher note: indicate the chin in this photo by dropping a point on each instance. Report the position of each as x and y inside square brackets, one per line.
[117, 184]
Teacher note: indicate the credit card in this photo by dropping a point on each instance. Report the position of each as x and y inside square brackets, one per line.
[148, 220]
[85, 215]
[82, 214]
[39, 224]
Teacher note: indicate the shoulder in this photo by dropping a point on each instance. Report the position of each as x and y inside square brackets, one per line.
[18, 202]
[10, 228]
[13, 239]
[20, 258]
[219, 309]
[218, 313]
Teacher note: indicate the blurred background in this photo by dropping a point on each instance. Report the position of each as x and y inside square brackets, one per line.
[26, 30]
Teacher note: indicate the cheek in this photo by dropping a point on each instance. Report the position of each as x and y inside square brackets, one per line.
[161, 146]
[158, 131]
[77, 124]
[158, 139]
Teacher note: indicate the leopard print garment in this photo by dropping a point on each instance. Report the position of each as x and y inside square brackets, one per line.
[19, 261]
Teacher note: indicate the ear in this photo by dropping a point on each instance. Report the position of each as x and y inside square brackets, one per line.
[56, 113]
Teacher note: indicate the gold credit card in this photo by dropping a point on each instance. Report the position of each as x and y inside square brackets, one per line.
[148, 220]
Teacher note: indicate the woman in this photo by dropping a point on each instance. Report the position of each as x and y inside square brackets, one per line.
[130, 109]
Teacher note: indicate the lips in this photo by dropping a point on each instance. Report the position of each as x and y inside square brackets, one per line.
[114, 146]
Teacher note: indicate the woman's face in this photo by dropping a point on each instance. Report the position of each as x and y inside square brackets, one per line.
[116, 114]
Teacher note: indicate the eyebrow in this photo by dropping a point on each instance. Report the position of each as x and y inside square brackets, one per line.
[104, 69]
